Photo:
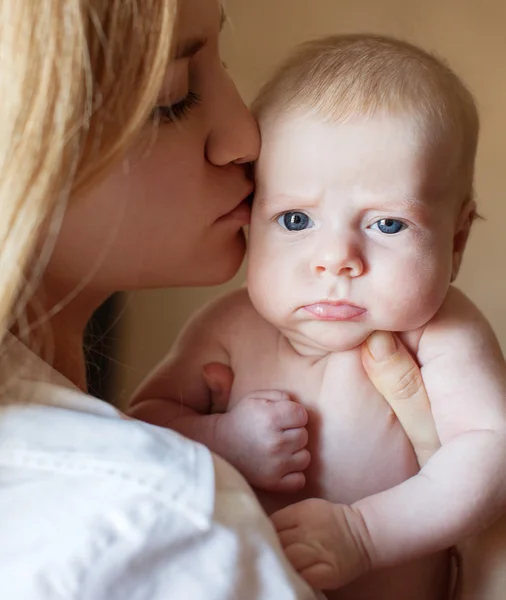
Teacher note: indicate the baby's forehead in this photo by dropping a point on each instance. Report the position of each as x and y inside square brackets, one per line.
[383, 153]
[401, 126]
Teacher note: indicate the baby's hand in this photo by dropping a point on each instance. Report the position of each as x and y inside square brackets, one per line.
[326, 543]
[264, 436]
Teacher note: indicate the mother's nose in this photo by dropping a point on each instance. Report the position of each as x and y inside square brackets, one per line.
[234, 136]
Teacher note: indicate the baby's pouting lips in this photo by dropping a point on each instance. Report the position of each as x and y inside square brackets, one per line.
[341, 310]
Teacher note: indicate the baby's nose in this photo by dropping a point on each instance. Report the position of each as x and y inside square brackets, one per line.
[339, 261]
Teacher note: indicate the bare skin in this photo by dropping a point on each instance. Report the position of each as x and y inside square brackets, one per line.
[315, 293]
[394, 373]
[165, 213]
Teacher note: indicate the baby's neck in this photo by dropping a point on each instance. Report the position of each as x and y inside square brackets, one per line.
[311, 351]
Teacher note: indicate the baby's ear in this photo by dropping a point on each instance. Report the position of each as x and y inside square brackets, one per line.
[465, 220]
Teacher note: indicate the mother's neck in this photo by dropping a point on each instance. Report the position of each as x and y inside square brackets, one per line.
[58, 326]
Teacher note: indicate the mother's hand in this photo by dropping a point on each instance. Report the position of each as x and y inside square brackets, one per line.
[397, 377]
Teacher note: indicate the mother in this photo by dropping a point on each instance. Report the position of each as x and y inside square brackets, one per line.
[122, 154]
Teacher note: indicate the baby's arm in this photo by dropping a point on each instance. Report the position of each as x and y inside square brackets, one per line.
[263, 434]
[463, 487]
[460, 490]
[175, 394]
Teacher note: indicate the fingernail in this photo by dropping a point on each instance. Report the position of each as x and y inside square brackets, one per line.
[211, 382]
[381, 345]
[214, 386]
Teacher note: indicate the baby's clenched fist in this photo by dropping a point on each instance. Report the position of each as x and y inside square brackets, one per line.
[264, 436]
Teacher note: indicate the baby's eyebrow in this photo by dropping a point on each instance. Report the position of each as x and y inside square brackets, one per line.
[411, 201]
[407, 202]
[395, 200]
[412, 207]
[283, 200]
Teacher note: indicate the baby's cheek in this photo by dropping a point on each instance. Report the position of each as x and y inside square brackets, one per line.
[266, 289]
[418, 296]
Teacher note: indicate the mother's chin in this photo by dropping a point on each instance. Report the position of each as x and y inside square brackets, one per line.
[219, 262]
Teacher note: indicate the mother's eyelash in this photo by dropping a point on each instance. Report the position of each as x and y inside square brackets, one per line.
[177, 111]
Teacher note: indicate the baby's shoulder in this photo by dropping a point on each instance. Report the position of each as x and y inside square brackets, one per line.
[230, 317]
[458, 313]
[457, 325]
[230, 308]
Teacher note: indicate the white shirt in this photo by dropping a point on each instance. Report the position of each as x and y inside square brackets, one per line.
[94, 506]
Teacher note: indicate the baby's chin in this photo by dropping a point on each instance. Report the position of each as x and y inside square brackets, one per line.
[323, 338]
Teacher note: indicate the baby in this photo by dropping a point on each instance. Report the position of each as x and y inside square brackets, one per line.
[363, 206]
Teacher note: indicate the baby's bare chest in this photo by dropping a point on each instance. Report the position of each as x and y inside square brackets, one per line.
[357, 445]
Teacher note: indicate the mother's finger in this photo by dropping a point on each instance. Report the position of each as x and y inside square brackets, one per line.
[397, 377]
[219, 379]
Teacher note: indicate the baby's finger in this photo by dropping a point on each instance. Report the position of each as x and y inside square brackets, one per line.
[290, 537]
[289, 415]
[270, 395]
[302, 556]
[290, 483]
[321, 576]
[296, 438]
[285, 517]
[307, 561]
[298, 461]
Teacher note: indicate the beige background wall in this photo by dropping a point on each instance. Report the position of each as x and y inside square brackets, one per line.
[470, 34]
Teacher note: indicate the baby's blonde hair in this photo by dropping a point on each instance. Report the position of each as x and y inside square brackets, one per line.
[342, 77]
[78, 78]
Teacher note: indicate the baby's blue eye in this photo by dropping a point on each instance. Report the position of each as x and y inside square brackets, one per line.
[389, 226]
[295, 221]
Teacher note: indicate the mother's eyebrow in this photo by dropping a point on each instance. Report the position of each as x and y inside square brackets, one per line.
[190, 47]
[223, 19]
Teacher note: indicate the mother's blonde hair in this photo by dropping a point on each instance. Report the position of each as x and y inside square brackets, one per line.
[78, 78]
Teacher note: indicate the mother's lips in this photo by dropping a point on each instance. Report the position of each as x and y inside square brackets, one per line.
[249, 199]
[241, 213]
